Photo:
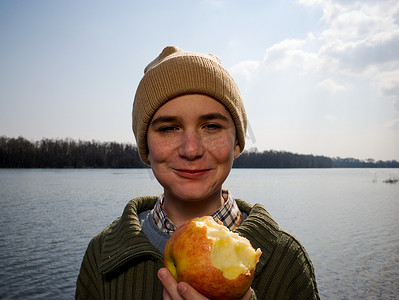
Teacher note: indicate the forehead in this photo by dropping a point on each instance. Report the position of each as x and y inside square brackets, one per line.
[193, 103]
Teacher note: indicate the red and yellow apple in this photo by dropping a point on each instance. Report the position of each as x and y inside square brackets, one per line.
[217, 262]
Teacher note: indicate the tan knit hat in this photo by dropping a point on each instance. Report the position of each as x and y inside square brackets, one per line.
[177, 72]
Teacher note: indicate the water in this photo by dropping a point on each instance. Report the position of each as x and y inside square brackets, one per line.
[347, 220]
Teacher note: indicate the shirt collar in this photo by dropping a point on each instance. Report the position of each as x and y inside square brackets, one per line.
[229, 214]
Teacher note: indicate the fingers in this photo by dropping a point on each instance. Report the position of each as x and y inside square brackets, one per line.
[188, 292]
[183, 291]
[170, 285]
[166, 295]
[247, 295]
[177, 291]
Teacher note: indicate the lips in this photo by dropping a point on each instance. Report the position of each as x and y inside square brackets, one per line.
[192, 173]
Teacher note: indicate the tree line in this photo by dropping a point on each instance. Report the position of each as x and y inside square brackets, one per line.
[283, 159]
[68, 153]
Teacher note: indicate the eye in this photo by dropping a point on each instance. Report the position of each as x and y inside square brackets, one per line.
[168, 128]
[212, 126]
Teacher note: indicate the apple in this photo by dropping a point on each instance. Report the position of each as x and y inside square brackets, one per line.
[217, 262]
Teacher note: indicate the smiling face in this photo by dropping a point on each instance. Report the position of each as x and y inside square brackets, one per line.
[192, 144]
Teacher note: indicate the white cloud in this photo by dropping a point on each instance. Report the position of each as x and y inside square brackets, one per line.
[389, 86]
[357, 40]
[331, 86]
[394, 124]
[360, 34]
[349, 22]
[290, 54]
[360, 55]
[389, 83]
[246, 69]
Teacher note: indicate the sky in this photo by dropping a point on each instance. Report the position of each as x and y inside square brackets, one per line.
[317, 77]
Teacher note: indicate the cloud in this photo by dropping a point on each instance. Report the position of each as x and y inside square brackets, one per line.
[331, 86]
[394, 124]
[360, 55]
[389, 86]
[356, 36]
[246, 69]
[355, 40]
[360, 34]
[290, 54]
[362, 40]
[389, 83]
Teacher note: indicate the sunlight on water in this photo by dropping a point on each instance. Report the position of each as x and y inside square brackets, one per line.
[346, 219]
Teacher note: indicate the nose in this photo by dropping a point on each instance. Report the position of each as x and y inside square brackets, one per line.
[191, 146]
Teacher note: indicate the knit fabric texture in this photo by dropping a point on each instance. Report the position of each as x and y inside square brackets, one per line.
[121, 263]
[176, 72]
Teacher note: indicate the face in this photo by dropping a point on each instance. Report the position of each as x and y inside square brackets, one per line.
[192, 144]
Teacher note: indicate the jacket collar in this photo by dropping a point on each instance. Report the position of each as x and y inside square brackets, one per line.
[260, 229]
[124, 239]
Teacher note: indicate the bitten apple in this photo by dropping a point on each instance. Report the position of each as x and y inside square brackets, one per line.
[217, 262]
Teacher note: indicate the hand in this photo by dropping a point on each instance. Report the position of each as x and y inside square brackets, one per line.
[183, 291]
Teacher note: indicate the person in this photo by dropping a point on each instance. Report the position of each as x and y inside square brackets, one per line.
[189, 122]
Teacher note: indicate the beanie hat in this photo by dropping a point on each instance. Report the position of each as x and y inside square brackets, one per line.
[176, 72]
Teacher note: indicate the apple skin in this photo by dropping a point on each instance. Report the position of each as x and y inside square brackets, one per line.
[187, 255]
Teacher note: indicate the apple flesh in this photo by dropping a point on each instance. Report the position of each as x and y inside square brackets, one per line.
[217, 262]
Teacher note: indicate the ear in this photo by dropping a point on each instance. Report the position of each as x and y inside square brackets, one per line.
[237, 150]
[148, 157]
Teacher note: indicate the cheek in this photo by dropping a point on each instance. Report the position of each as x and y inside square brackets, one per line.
[159, 149]
[222, 148]
[155, 153]
[153, 149]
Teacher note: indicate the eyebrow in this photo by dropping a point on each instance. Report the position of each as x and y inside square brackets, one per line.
[163, 119]
[206, 117]
[212, 116]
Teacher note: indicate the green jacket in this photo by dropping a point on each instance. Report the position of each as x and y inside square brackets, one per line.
[120, 262]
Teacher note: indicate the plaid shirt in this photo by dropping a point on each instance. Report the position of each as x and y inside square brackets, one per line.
[229, 214]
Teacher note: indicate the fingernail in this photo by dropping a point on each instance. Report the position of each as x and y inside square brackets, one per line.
[162, 273]
[182, 288]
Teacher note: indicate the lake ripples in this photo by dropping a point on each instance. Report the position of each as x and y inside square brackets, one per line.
[346, 219]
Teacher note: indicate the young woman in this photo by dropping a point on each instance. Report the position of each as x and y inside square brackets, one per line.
[189, 122]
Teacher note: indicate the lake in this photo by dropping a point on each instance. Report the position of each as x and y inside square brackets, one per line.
[347, 219]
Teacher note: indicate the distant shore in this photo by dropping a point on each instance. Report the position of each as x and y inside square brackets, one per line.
[68, 153]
